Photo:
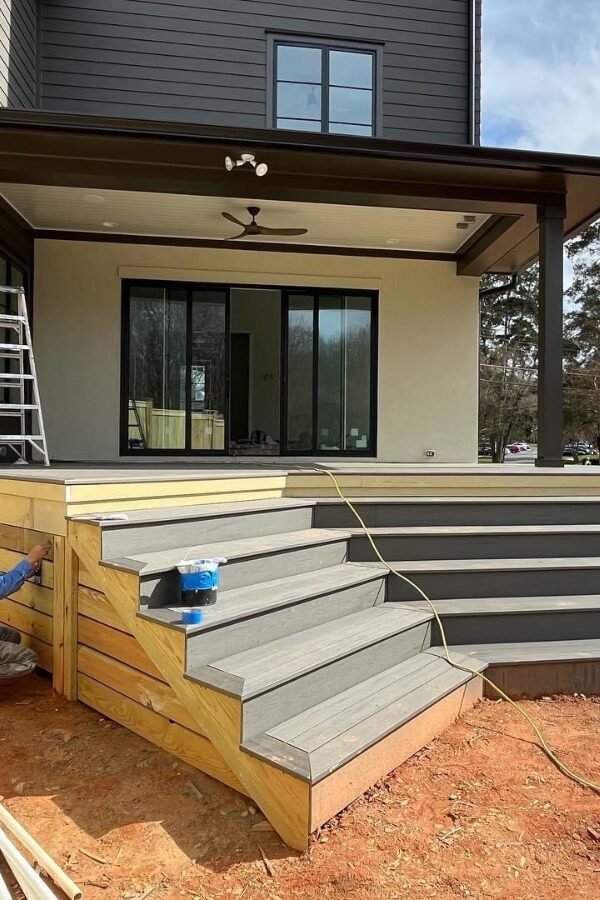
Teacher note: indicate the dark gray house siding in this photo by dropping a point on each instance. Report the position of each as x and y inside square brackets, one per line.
[206, 61]
[18, 32]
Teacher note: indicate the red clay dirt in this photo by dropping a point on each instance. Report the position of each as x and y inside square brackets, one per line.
[479, 813]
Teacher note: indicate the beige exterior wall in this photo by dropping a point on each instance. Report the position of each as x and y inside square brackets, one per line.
[428, 339]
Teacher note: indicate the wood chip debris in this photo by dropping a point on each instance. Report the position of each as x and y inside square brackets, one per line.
[267, 862]
[94, 856]
[593, 833]
[263, 826]
[195, 790]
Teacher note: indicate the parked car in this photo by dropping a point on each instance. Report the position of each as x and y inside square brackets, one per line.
[513, 448]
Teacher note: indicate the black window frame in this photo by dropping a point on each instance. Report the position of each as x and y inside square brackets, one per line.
[286, 290]
[326, 46]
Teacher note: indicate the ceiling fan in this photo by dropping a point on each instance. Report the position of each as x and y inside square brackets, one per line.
[253, 228]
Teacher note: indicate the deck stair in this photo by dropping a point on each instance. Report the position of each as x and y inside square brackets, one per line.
[317, 672]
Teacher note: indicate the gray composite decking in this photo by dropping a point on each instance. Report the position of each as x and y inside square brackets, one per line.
[516, 652]
[323, 738]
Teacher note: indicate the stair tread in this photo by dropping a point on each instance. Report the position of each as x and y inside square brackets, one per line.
[244, 602]
[483, 565]
[531, 651]
[467, 530]
[482, 606]
[338, 729]
[199, 511]
[262, 668]
[165, 560]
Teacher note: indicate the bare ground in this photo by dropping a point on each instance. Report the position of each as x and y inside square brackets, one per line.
[479, 813]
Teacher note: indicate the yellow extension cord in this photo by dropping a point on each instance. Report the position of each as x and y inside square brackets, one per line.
[578, 779]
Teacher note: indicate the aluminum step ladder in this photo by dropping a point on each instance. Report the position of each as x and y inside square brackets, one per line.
[18, 380]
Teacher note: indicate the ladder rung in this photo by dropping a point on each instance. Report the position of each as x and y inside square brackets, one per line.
[14, 348]
[15, 376]
[17, 407]
[19, 438]
[8, 317]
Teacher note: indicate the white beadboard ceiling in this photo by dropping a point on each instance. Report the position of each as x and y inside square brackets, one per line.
[185, 216]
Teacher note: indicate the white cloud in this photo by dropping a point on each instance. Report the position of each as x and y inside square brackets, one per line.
[541, 75]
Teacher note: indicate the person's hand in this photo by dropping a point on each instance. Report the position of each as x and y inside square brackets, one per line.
[37, 553]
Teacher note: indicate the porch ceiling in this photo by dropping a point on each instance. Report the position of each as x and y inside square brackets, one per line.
[99, 153]
[101, 211]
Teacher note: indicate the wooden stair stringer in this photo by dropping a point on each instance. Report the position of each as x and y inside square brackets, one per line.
[284, 799]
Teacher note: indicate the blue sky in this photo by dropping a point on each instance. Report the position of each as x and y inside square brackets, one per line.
[541, 75]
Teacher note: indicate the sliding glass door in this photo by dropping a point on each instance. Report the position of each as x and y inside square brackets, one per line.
[175, 369]
[329, 373]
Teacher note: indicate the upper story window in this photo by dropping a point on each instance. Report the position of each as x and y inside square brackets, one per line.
[324, 88]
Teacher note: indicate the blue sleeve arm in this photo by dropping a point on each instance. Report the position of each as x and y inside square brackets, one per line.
[13, 580]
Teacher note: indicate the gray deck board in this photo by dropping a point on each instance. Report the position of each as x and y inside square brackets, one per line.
[530, 651]
[485, 565]
[474, 530]
[495, 606]
[159, 515]
[254, 599]
[289, 657]
[166, 560]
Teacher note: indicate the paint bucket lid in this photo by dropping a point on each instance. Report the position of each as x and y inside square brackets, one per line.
[192, 616]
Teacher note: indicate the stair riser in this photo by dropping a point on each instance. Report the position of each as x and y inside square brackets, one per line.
[150, 538]
[558, 626]
[496, 546]
[543, 679]
[163, 589]
[253, 632]
[528, 583]
[390, 515]
[278, 704]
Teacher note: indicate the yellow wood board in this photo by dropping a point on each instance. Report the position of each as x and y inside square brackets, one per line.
[35, 597]
[150, 490]
[192, 748]
[30, 621]
[94, 605]
[14, 537]
[99, 506]
[120, 646]
[150, 692]
[39, 515]
[71, 624]
[41, 648]
[58, 617]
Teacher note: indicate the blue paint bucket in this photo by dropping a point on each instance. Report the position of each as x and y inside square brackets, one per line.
[199, 581]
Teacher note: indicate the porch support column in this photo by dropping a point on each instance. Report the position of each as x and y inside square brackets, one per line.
[551, 221]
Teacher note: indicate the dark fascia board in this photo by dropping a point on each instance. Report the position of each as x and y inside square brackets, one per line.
[267, 138]
[268, 246]
[90, 151]
[16, 235]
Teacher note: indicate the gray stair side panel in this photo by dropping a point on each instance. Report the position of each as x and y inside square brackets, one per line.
[539, 626]
[545, 679]
[262, 712]
[207, 646]
[535, 582]
[471, 546]
[149, 537]
[449, 511]
[163, 589]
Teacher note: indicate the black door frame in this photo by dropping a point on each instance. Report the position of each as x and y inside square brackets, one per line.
[227, 288]
[189, 287]
[316, 294]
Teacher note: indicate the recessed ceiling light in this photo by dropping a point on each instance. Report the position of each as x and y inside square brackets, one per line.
[462, 225]
[93, 198]
[109, 224]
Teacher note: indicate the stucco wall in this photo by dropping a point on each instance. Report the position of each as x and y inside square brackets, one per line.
[428, 337]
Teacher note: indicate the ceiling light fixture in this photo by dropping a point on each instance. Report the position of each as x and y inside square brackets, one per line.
[246, 159]
[93, 198]
[109, 224]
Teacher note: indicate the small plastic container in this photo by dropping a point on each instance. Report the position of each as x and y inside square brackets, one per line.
[193, 615]
[199, 581]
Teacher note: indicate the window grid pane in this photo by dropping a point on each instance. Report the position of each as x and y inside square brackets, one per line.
[345, 104]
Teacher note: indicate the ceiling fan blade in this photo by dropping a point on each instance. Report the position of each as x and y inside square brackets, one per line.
[289, 232]
[236, 237]
[233, 219]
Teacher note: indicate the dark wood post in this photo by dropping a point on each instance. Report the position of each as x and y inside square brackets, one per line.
[550, 339]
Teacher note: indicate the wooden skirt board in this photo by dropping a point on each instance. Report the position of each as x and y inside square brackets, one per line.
[334, 793]
[94, 605]
[187, 745]
[116, 644]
